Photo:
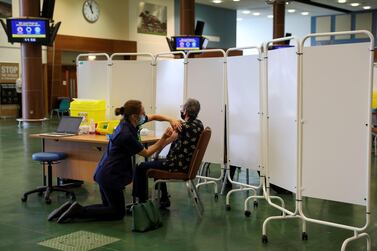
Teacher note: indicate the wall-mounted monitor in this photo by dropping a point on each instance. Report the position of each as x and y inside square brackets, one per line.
[187, 43]
[28, 30]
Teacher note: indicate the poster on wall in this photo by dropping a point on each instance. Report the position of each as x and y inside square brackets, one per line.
[152, 19]
[5, 8]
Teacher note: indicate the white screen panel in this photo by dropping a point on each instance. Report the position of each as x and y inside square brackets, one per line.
[335, 113]
[206, 84]
[132, 80]
[282, 104]
[92, 80]
[169, 92]
[243, 104]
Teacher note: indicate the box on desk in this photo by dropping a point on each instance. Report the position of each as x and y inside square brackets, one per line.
[89, 108]
[107, 127]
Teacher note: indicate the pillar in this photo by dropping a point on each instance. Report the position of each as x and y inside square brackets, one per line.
[279, 19]
[187, 17]
[31, 63]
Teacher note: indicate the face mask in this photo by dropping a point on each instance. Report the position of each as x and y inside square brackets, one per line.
[141, 120]
[182, 115]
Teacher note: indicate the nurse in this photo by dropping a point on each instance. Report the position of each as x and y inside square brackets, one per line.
[114, 171]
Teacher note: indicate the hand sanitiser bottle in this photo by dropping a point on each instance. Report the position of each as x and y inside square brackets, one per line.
[92, 127]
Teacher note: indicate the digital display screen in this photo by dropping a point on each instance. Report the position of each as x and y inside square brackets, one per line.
[28, 30]
[187, 43]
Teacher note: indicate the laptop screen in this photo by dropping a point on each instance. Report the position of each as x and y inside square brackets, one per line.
[69, 125]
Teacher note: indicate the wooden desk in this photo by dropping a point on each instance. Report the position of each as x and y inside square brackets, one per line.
[84, 152]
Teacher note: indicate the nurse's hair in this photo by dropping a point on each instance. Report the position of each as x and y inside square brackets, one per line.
[129, 108]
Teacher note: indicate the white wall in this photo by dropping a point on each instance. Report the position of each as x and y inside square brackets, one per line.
[9, 52]
[150, 43]
[118, 20]
[256, 30]
[112, 22]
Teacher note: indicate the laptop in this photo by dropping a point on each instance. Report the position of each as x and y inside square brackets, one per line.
[68, 126]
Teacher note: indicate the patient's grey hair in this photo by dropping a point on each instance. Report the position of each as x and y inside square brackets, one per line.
[192, 107]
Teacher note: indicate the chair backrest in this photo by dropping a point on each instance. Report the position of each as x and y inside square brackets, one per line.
[199, 152]
[64, 105]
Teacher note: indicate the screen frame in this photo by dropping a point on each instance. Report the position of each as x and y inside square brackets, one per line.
[42, 41]
[175, 38]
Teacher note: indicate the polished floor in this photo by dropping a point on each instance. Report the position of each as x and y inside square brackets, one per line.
[23, 225]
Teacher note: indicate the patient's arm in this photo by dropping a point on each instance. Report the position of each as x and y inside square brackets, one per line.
[173, 137]
[174, 123]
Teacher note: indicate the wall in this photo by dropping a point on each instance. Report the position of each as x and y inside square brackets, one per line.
[150, 43]
[118, 20]
[219, 22]
[366, 20]
[256, 30]
[112, 23]
[9, 52]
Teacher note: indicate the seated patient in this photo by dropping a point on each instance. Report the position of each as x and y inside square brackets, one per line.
[179, 157]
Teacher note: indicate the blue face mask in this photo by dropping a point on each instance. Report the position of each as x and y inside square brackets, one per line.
[141, 120]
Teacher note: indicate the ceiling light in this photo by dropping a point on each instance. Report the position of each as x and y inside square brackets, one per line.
[366, 7]
[355, 4]
[246, 12]
[291, 10]
[270, 16]
[342, 1]
[236, 0]
[256, 14]
[217, 1]
[305, 13]
[239, 19]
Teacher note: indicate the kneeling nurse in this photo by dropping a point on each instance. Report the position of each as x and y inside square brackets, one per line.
[114, 171]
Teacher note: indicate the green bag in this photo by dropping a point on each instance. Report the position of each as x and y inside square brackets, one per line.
[145, 217]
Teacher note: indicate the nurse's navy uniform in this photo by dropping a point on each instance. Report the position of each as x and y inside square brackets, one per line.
[114, 172]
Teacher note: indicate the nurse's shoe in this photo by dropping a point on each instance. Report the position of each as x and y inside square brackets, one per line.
[59, 211]
[73, 211]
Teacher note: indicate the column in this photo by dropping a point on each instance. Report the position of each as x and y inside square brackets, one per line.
[279, 18]
[187, 17]
[31, 63]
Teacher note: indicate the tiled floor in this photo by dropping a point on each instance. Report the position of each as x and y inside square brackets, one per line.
[24, 225]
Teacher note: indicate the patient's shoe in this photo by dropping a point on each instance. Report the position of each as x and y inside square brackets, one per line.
[164, 202]
[59, 211]
[73, 211]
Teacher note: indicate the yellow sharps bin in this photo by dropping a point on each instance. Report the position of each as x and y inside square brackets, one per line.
[374, 100]
[89, 109]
